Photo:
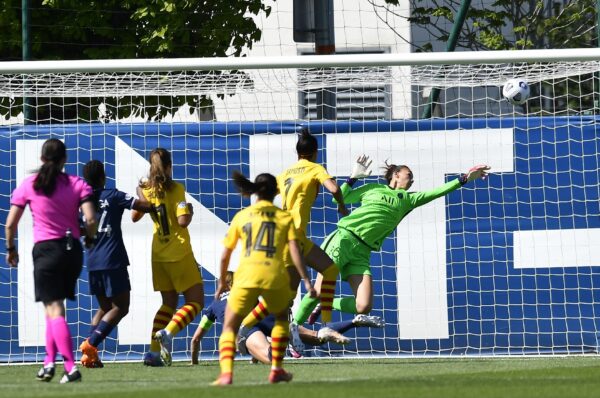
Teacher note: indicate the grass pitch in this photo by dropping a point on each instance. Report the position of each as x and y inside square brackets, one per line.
[373, 378]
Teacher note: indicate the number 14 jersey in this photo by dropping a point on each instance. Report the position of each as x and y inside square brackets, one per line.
[264, 230]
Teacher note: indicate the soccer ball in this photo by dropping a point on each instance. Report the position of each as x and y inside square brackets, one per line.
[516, 91]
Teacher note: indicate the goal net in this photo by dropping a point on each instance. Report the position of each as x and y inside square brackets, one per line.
[503, 266]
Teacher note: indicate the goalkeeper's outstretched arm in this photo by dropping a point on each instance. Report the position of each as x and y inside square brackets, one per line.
[474, 173]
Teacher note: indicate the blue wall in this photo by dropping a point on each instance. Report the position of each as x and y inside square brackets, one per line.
[492, 306]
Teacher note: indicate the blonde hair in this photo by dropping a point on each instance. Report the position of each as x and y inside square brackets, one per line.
[159, 180]
[229, 279]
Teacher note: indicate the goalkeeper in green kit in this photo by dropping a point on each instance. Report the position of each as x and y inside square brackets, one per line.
[383, 207]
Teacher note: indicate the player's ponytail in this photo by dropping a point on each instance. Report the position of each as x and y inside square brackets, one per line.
[159, 177]
[264, 185]
[229, 279]
[390, 169]
[54, 156]
[307, 144]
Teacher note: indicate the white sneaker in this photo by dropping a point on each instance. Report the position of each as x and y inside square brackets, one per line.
[166, 346]
[46, 373]
[368, 321]
[295, 339]
[73, 376]
[326, 334]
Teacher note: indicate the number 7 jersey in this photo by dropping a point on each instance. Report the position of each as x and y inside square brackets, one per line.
[298, 186]
[170, 242]
[264, 230]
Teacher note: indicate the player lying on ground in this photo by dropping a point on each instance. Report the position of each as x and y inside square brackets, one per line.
[382, 208]
[255, 338]
[107, 260]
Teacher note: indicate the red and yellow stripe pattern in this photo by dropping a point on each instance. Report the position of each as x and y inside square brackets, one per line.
[161, 320]
[183, 317]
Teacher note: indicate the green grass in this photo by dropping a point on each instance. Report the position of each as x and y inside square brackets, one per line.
[373, 378]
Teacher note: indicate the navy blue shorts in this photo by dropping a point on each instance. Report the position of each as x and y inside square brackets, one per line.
[266, 326]
[56, 269]
[109, 282]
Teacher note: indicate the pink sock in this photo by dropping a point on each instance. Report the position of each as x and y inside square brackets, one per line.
[50, 344]
[62, 337]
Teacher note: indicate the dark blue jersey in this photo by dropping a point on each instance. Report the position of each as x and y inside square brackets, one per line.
[216, 310]
[109, 250]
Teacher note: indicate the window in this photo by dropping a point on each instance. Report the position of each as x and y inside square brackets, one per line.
[360, 93]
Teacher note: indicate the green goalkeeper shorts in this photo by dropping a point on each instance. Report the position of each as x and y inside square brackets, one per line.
[351, 256]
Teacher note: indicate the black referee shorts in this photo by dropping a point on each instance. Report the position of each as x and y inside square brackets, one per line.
[56, 269]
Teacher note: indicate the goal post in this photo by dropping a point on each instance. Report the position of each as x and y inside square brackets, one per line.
[503, 266]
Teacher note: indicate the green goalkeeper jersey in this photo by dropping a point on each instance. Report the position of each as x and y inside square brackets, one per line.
[382, 208]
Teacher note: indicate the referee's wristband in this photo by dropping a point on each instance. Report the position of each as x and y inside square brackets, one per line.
[11, 249]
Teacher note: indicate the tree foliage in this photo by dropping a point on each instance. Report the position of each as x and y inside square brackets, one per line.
[506, 24]
[113, 29]
[515, 25]
[77, 29]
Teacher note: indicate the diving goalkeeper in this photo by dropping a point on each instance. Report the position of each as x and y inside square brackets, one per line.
[383, 207]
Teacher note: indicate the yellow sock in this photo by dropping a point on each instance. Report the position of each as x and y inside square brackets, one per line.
[259, 313]
[226, 351]
[328, 291]
[184, 316]
[161, 320]
[279, 343]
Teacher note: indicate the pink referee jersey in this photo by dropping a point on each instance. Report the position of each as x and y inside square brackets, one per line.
[54, 214]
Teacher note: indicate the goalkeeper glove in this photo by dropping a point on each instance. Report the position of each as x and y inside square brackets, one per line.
[475, 172]
[361, 167]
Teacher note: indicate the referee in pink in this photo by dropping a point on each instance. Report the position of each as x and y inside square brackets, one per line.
[54, 199]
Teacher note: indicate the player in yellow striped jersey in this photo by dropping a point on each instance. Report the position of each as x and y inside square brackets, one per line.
[265, 231]
[174, 268]
[299, 185]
